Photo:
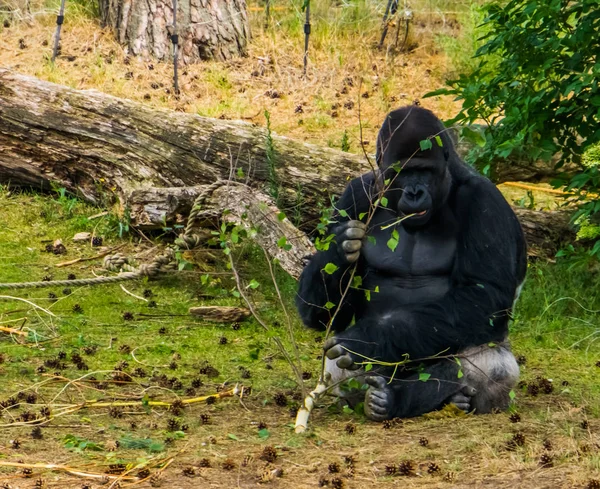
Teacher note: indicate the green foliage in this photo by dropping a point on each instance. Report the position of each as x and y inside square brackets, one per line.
[540, 94]
[345, 145]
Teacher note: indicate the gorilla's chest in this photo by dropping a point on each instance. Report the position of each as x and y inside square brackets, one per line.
[416, 255]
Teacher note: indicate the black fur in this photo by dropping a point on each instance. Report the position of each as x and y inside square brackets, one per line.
[452, 280]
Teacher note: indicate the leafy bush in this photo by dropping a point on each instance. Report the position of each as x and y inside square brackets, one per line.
[540, 94]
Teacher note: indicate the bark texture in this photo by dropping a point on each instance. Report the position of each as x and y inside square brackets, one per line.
[208, 29]
[104, 148]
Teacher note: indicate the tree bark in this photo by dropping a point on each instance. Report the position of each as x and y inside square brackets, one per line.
[103, 148]
[208, 29]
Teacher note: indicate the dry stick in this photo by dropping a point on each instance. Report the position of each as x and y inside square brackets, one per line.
[65, 468]
[288, 322]
[276, 339]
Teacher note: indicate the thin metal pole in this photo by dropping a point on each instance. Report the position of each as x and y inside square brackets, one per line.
[175, 40]
[306, 36]
[59, 22]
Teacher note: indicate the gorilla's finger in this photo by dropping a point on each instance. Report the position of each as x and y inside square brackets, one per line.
[352, 245]
[357, 224]
[330, 343]
[467, 390]
[460, 399]
[352, 257]
[375, 381]
[377, 409]
[355, 233]
[334, 352]
[345, 361]
[380, 397]
[378, 417]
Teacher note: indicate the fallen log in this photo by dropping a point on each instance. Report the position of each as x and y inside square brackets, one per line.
[103, 149]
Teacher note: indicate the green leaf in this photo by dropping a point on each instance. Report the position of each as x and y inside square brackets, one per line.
[240, 173]
[424, 376]
[460, 374]
[425, 144]
[392, 243]
[232, 436]
[343, 213]
[372, 240]
[253, 284]
[384, 201]
[512, 395]
[368, 367]
[264, 434]
[476, 136]
[347, 410]
[368, 295]
[330, 268]
[439, 142]
[357, 281]
[329, 305]
[281, 216]
[361, 215]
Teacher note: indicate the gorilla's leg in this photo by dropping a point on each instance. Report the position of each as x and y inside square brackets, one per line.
[408, 396]
[488, 375]
[493, 372]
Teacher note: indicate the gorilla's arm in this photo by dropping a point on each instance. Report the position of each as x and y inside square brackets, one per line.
[317, 287]
[490, 265]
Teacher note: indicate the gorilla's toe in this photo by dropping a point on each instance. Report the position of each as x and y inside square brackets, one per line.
[462, 399]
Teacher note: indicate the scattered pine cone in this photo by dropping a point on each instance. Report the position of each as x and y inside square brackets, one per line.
[211, 400]
[189, 471]
[350, 428]
[45, 411]
[236, 326]
[115, 412]
[269, 454]
[127, 316]
[71, 276]
[205, 418]
[262, 425]
[424, 442]
[228, 464]
[125, 349]
[147, 293]
[533, 389]
[337, 483]
[40, 484]
[153, 304]
[176, 407]
[204, 462]
[518, 439]
[162, 330]
[391, 469]
[306, 375]
[66, 291]
[546, 460]
[593, 484]
[349, 460]
[515, 418]
[450, 477]
[323, 482]
[52, 296]
[387, 424]
[36, 433]
[222, 340]
[77, 308]
[598, 364]
[196, 383]
[406, 467]
[334, 468]
[280, 399]
[433, 468]
[584, 424]
[31, 398]
[173, 424]
[96, 241]
[546, 386]
[548, 446]
[139, 372]
[15, 444]
[27, 472]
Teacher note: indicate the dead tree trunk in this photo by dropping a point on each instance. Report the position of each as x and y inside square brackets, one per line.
[103, 148]
[207, 29]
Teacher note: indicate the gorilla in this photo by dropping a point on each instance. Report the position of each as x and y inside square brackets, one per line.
[438, 268]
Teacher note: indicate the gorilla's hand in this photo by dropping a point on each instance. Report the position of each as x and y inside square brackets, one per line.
[349, 236]
[338, 348]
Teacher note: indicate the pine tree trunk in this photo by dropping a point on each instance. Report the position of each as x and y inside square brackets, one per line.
[208, 29]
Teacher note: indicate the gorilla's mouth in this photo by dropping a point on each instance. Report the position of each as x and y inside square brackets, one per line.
[422, 213]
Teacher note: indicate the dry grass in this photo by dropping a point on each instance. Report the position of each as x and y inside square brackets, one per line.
[344, 69]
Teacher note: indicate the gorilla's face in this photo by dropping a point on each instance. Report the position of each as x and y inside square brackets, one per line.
[419, 189]
[419, 181]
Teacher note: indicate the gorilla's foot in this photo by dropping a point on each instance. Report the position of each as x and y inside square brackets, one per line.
[462, 399]
[379, 399]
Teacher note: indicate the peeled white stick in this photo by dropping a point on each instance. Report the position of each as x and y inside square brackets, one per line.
[309, 403]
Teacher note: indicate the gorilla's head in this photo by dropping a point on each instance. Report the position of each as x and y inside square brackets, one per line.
[419, 180]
